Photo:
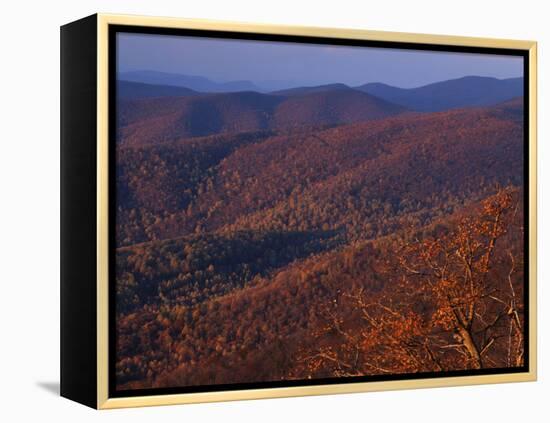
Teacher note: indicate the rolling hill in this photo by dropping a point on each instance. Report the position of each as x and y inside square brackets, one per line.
[150, 121]
[363, 179]
[469, 91]
[335, 105]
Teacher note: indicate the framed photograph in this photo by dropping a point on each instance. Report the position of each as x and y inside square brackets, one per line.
[252, 211]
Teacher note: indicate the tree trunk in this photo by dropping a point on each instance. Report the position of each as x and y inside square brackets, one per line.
[470, 345]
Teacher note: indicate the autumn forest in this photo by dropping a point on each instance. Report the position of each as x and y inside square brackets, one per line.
[317, 232]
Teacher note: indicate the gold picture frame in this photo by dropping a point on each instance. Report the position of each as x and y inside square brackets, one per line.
[102, 22]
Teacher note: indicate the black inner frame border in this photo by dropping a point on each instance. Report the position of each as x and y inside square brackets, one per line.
[113, 30]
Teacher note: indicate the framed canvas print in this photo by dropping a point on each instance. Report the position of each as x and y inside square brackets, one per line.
[252, 211]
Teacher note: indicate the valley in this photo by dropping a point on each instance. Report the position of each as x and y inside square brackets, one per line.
[301, 233]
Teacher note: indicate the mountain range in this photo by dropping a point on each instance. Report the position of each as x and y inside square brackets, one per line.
[133, 90]
[463, 92]
[468, 91]
[196, 83]
[154, 120]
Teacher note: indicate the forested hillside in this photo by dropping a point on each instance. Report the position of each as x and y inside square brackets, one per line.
[314, 233]
[166, 119]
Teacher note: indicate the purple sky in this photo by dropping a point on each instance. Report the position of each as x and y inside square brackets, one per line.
[303, 64]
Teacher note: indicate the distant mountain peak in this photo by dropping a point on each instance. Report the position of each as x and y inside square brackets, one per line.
[193, 82]
[467, 91]
[446, 81]
[127, 90]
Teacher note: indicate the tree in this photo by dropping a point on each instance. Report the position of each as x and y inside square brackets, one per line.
[453, 302]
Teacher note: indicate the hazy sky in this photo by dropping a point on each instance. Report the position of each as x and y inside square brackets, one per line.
[303, 64]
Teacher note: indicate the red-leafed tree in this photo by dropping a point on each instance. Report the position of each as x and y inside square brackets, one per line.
[454, 301]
